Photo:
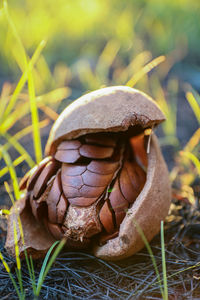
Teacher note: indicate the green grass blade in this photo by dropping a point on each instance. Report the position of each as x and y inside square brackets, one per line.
[16, 162]
[106, 59]
[15, 286]
[15, 33]
[6, 266]
[30, 271]
[150, 253]
[23, 78]
[54, 96]
[7, 187]
[197, 265]
[193, 141]
[164, 262]
[19, 277]
[41, 276]
[15, 233]
[33, 276]
[192, 158]
[20, 149]
[10, 275]
[21, 110]
[16, 36]
[4, 103]
[18, 261]
[54, 256]
[29, 264]
[4, 212]
[28, 129]
[194, 105]
[23, 133]
[46, 266]
[35, 119]
[5, 96]
[168, 107]
[12, 172]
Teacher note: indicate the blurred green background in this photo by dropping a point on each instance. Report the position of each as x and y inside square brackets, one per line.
[152, 44]
[77, 31]
[51, 52]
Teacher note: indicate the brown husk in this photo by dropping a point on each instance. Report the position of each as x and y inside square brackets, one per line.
[110, 109]
[37, 240]
[148, 210]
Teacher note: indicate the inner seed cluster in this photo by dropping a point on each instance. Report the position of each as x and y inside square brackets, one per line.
[86, 188]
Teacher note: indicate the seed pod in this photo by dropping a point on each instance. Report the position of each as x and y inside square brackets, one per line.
[97, 179]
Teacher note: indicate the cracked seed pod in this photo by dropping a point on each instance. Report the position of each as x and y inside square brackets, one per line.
[97, 179]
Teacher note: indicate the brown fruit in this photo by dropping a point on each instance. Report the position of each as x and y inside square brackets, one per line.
[97, 179]
[111, 109]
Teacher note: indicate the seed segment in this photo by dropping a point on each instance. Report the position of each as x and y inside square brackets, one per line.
[36, 171]
[106, 218]
[86, 189]
[99, 147]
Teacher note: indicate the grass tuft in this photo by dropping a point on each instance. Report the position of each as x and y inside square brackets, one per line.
[165, 292]
[147, 245]
[47, 263]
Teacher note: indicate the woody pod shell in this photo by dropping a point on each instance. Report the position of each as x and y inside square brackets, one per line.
[112, 109]
[115, 109]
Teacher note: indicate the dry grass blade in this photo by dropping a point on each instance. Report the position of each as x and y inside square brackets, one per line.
[106, 59]
[146, 69]
[49, 112]
[12, 172]
[193, 142]
[192, 158]
[194, 105]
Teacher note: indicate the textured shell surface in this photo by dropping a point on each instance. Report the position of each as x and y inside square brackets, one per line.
[103, 172]
[110, 109]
